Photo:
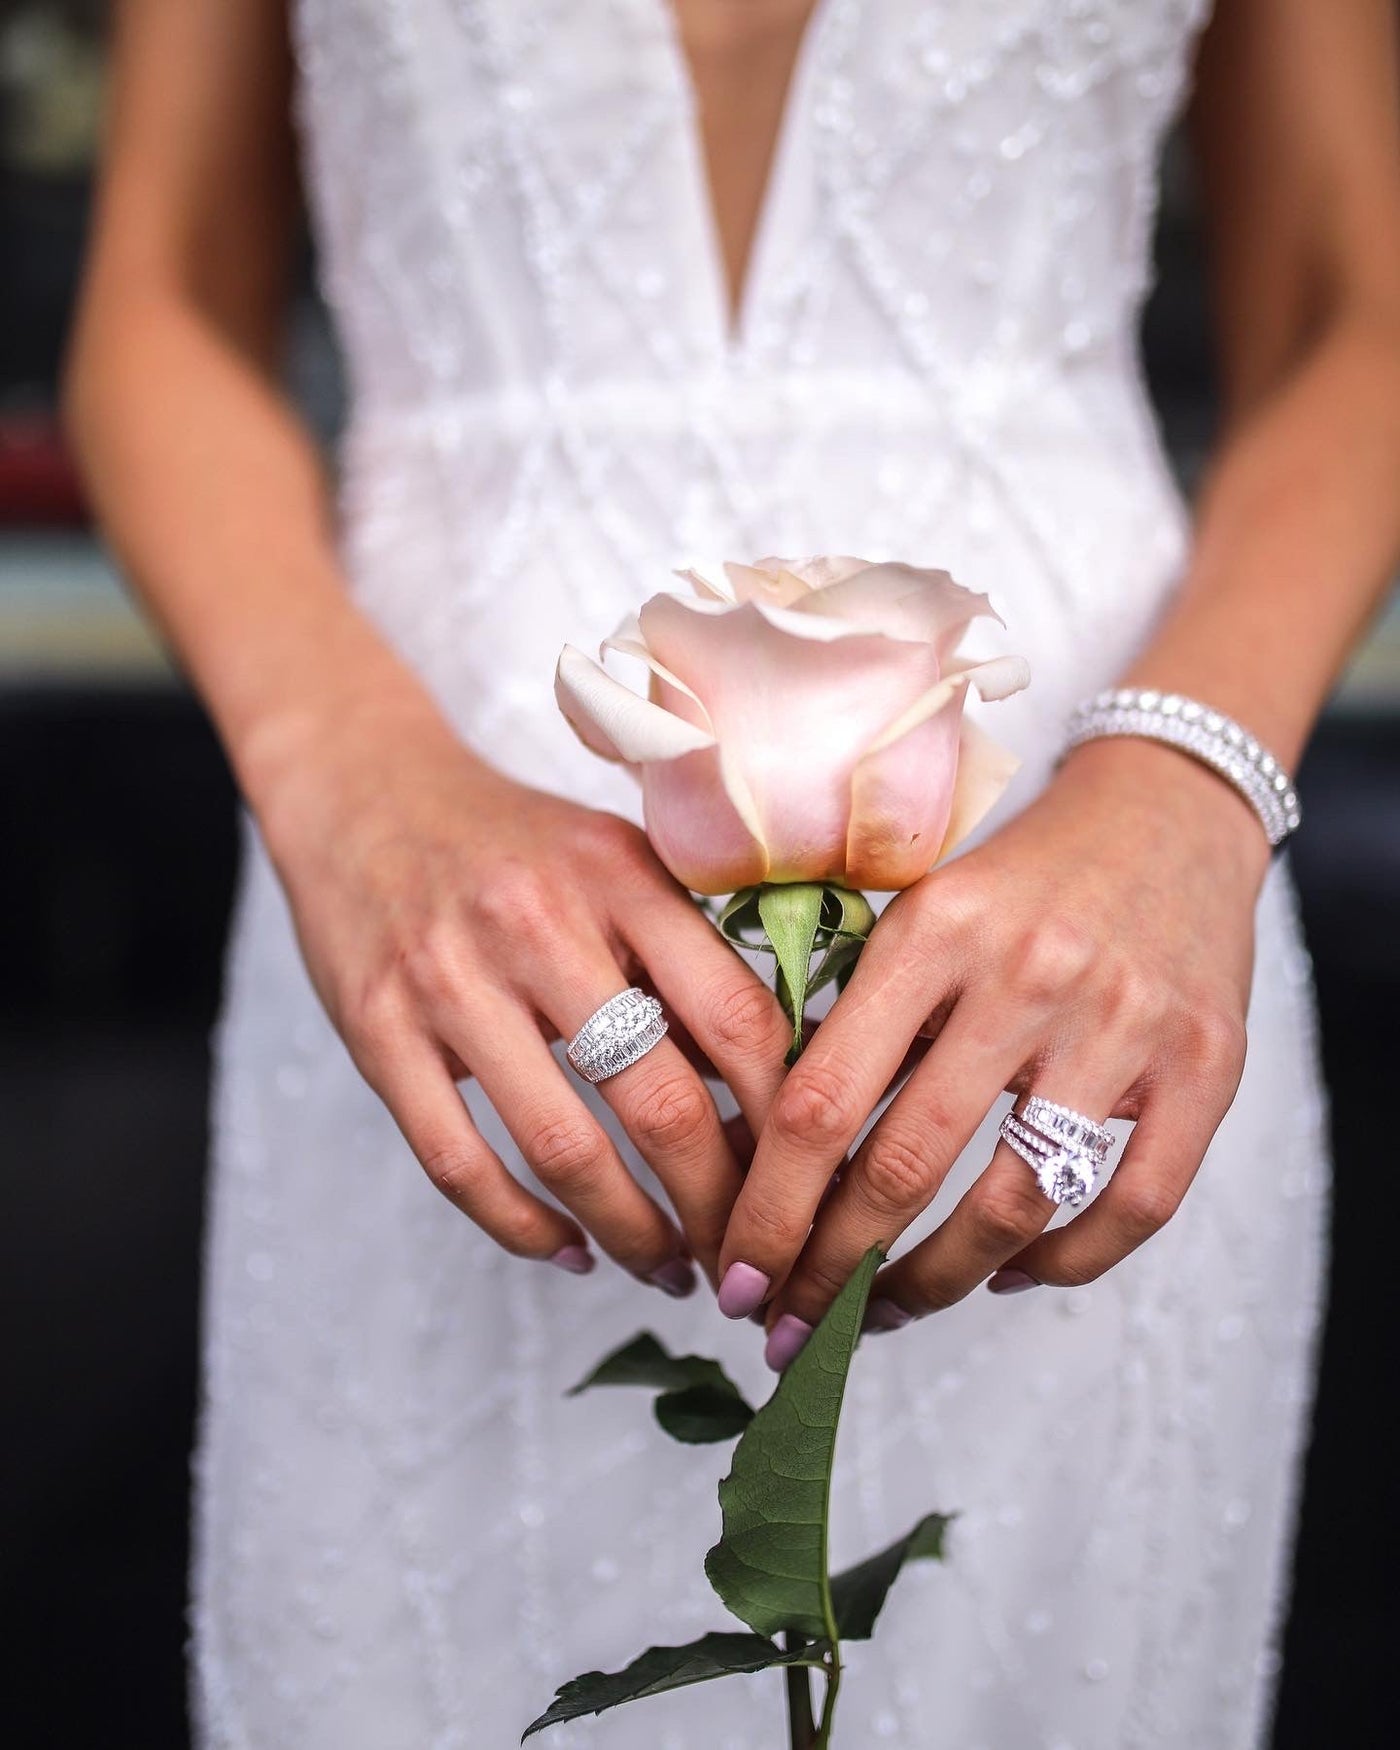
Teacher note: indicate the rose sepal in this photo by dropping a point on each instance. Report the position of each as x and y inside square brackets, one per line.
[800, 922]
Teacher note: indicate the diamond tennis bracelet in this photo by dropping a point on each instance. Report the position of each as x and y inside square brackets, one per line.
[1209, 736]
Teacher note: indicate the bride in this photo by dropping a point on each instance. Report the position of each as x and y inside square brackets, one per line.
[625, 281]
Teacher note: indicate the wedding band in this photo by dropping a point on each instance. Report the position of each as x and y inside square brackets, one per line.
[1062, 1147]
[616, 1035]
[1052, 1119]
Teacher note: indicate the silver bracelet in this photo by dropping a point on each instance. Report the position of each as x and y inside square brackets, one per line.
[1209, 736]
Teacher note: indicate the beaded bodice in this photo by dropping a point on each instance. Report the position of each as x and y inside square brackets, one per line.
[512, 196]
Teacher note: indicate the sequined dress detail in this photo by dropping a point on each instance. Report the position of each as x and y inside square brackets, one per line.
[406, 1535]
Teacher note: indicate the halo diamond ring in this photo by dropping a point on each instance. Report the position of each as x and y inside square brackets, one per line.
[1063, 1148]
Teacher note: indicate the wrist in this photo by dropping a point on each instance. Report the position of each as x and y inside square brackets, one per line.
[338, 709]
[1167, 794]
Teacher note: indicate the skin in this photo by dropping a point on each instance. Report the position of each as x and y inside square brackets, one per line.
[453, 921]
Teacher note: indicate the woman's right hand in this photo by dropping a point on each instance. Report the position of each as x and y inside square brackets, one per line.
[454, 922]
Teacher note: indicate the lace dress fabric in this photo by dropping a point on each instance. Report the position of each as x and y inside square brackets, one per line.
[406, 1535]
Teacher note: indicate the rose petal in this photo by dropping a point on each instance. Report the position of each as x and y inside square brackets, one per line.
[821, 571]
[695, 828]
[794, 701]
[614, 721]
[995, 679]
[683, 703]
[903, 601]
[985, 768]
[668, 690]
[815, 628]
[901, 801]
[768, 581]
[812, 628]
[706, 587]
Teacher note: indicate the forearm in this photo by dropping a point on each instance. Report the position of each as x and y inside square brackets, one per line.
[1297, 539]
[214, 499]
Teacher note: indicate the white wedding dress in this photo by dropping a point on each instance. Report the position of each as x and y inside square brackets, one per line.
[407, 1535]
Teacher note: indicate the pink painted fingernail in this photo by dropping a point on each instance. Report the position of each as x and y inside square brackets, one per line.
[1011, 1282]
[577, 1260]
[678, 1279]
[741, 1291]
[786, 1341]
[884, 1315]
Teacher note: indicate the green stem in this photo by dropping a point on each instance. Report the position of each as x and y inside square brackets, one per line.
[833, 1685]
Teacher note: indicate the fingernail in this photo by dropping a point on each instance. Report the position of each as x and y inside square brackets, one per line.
[742, 1291]
[1011, 1282]
[577, 1260]
[677, 1279]
[786, 1341]
[884, 1315]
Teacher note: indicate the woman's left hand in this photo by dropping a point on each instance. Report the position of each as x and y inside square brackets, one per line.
[1098, 950]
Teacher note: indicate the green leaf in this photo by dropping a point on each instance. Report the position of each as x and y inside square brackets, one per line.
[858, 1594]
[790, 914]
[699, 1403]
[769, 1566]
[703, 1414]
[663, 1668]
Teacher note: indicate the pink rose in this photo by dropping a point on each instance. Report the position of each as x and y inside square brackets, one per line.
[805, 722]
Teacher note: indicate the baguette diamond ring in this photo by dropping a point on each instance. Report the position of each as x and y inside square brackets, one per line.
[616, 1035]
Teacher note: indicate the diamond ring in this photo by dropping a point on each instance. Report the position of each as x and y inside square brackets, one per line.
[1064, 1123]
[616, 1035]
[1063, 1148]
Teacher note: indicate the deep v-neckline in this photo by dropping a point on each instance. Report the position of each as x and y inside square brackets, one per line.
[733, 307]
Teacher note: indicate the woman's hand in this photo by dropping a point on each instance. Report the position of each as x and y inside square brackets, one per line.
[1098, 950]
[453, 922]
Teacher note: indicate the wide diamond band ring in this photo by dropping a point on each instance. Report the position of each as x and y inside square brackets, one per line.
[615, 1036]
[1063, 1148]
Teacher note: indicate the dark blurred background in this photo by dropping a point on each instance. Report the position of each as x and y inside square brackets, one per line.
[117, 852]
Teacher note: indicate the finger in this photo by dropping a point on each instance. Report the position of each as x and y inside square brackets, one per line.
[683, 1037]
[1004, 1209]
[823, 1102]
[569, 1151]
[416, 1086]
[720, 1000]
[663, 1105]
[1160, 1161]
[900, 1167]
